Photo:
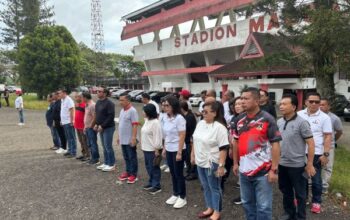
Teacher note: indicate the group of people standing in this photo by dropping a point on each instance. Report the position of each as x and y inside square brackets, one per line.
[238, 134]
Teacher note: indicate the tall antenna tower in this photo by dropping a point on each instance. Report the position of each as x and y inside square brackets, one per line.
[97, 36]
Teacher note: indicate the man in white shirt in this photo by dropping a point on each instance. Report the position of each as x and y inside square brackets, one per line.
[67, 121]
[226, 97]
[321, 127]
[19, 107]
[337, 133]
[146, 99]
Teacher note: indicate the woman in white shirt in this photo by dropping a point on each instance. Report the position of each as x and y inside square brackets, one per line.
[151, 144]
[174, 131]
[210, 142]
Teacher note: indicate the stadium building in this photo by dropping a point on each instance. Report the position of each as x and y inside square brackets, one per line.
[217, 50]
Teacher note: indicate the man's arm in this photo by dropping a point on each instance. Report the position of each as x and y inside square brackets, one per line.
[276, 152]
[310, 157]
[235, 157]
[72, 115]
[338, 134]
[134, 135]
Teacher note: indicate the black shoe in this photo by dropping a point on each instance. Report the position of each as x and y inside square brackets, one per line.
[237, 201]
[147, 187]
[80, 158]
[191, 177]
[93, 162]
[70, 156]
[154, 191]
[85, 159]
[67, 154]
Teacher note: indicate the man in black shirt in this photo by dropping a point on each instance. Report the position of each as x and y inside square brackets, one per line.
[104, 124]
[265, 103]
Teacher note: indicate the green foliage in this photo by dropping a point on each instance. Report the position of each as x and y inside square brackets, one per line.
[340, 181]
[20, 17]
[49, 58]
[322, 30]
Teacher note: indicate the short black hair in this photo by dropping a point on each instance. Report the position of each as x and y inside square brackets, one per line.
[254, 91]
[293, 99]
[204, 92]
[64, 90]
[87, 95]
[212, 91]
[150, 111]
[174, 103]
[312, 94]
[146, 96]
[325, 99]
[231, 94]
[265, 92]
[105, 91]
[127, 96]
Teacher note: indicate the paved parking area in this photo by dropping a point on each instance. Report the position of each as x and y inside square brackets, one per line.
[36, 183]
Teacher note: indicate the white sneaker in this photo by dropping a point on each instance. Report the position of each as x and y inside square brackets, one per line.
[167, 170]
[64, 151]
[108, 168]
[180, 203]
[101, 166]
[59, 150]
[163, 167]
[20, 124]
[172, 200]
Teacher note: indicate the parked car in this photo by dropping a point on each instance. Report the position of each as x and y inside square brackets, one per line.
[114, 94]
[346, 113]
[135, 93]
[11, 89]
[340, 104]
[195, 100]
[113, 88]
[156, 96]
[138, 98]
[2, 88]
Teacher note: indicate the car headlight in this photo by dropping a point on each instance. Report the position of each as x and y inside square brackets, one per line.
[346, 110]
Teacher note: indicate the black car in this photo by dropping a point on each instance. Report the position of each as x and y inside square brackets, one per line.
[156, 96]
[138, 98]
[340, 103]
[346, 113]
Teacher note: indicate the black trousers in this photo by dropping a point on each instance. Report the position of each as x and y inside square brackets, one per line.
[62, 135]
[7, 101]
[293, 184]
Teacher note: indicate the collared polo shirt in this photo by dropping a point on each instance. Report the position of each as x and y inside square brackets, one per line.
[320, 124]
[127, 119]
[336, 125]
[171, 127]
[293, 145]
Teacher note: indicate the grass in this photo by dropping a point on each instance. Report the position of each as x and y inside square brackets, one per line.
[340, 181]
[30, 101]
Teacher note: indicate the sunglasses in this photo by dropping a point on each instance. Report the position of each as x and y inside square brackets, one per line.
[314, 101]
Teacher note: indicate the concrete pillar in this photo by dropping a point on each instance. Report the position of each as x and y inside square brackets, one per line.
[300, 96]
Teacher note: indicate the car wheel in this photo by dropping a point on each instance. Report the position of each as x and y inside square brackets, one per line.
[347, 119]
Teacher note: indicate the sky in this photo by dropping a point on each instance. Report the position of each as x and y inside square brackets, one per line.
[75, 15]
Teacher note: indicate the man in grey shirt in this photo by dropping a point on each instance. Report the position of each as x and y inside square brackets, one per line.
[296, 133]
[337, 133]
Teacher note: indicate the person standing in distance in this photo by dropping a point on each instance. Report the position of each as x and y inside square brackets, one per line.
[265, 103]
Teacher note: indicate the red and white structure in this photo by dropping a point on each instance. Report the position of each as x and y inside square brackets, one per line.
[193, 59]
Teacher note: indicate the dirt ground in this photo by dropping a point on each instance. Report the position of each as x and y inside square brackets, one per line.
[37, 183]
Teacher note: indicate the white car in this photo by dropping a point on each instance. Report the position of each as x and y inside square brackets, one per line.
[2, 88]
[195, 100]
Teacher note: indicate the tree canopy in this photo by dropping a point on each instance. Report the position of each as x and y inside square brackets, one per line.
[49, 58]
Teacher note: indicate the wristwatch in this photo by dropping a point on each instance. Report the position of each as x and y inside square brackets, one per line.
[326, 154]
[275, 171]
[221, 165]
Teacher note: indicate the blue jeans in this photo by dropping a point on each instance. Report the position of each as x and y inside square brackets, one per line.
[107, 143]
[211, 187]
[21, 117]
[177, 175]
[130, 157]
[316, 182]
[92, 144]
[153, 171]
[55, 137]
[256, 195]
[71, 139]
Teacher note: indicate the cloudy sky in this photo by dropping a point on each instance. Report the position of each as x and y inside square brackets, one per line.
[75, 15]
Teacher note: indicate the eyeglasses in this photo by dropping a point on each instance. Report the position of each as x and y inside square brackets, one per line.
[314, 101]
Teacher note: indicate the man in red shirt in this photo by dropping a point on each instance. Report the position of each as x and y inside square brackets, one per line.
[79, 126]
[257, 151]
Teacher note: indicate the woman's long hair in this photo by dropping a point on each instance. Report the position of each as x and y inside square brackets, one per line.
[218, 108]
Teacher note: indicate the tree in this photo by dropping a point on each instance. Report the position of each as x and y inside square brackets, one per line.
[321, 29]
[49, 58]
[20, 17]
